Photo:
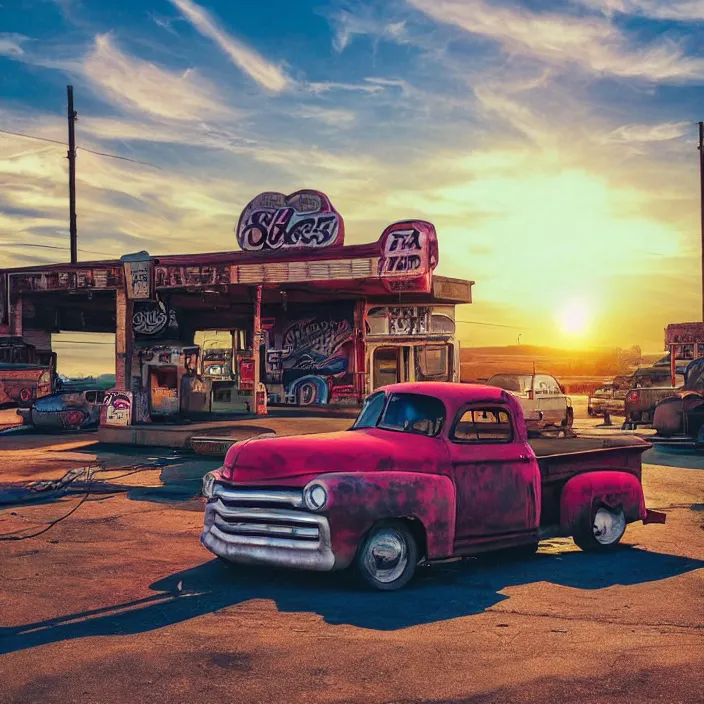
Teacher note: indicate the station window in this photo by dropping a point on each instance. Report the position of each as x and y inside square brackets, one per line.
[432, 362]
[483, 425]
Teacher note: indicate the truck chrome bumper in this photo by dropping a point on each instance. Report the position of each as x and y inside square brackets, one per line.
[268, 536]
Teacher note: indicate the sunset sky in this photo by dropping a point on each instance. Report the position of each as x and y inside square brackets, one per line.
[552, 142]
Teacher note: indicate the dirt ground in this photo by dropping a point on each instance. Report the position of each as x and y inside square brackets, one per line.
[120, 603]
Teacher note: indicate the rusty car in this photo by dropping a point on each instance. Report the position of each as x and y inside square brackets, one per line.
[21, 384]
[67, 409]
[679, 419]
[610, 397]
[650, 385]
[429, 471]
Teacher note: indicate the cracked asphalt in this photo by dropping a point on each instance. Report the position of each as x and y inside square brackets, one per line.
[120, 603]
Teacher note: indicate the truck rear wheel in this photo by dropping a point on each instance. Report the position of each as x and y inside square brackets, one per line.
[604, 532]
[388, 556]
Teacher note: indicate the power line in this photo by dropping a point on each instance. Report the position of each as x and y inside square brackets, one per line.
[492, 325]
[51, 246]
[85, 149]
[29, 136]
[122, 158]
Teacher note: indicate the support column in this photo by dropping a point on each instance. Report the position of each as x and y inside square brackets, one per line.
[674, 349]
[15, 315]
[124, 341]
[260, 394]
[360, 350]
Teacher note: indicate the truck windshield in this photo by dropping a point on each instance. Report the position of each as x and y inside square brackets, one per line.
[407, 413]
[413, 413]
[371, 411]
[517, 383]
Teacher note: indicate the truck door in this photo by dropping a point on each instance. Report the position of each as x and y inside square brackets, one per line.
[496, 476]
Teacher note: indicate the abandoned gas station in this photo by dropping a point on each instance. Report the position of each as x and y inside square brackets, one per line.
[311, 321]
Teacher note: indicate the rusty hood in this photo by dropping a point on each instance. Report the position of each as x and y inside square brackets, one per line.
[296, 460]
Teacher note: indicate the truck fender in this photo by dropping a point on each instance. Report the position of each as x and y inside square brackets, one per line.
[583, 493]
[358, 500]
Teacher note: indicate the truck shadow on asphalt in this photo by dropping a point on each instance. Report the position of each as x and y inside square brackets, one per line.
[439, 593]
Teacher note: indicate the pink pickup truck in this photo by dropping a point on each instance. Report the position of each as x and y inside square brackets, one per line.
[429, 471]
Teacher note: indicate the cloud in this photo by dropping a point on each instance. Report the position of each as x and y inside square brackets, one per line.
[662, 132]
[335, 117]
[348, 25]
[318, 87]
[265, 73]
[11, 44]
[682, 10]
[593, 43]
[133, 83]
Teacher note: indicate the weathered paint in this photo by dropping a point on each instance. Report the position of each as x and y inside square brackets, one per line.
[295, 460]
[22, 383]
[359, 500]
[586, 492]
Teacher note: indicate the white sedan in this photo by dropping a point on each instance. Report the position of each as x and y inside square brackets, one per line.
[542, 399]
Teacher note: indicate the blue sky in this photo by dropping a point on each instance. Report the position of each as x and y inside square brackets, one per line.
[553, 143]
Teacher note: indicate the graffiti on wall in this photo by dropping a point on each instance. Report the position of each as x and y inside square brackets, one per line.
[118, 408]
[274, 366]
[97, 277]
[169, 276]
[138, 279]
[302, 220]
[409, 253]
[154, 319]
[411, 320]
[317, 357]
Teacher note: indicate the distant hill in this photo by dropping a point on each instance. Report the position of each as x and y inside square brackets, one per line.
[479, 363]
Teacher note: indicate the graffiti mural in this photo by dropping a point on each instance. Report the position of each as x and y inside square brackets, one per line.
[118, 408]
[408, 321]
[154, 319]
[302, 220]
[96, 277]
[316, 357]
[138, 279]
[409, 253]
[180, 276]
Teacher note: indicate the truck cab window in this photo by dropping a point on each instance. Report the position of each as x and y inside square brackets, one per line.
[483, 425]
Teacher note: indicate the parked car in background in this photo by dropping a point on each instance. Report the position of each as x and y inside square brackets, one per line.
[610, 397]
[543, 401]
[679, 419]
[65, 410]
[20, 384]
[429, 471]
[650, 385]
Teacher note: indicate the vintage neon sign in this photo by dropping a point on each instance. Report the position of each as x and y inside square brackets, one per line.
[302, 220]
[409, 253]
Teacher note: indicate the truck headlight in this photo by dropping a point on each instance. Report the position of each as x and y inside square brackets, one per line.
[315, 497]
[208, 485]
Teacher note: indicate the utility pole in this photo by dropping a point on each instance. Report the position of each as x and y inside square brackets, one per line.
[72, 175]
[701, 200]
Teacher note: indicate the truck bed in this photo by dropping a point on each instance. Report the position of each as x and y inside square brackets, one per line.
[547, 447]
[560, 459]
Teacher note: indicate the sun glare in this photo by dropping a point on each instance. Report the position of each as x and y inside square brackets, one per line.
[574, 318]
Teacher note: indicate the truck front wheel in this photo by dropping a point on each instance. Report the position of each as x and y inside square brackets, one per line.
[604, 532]
[388, 556]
